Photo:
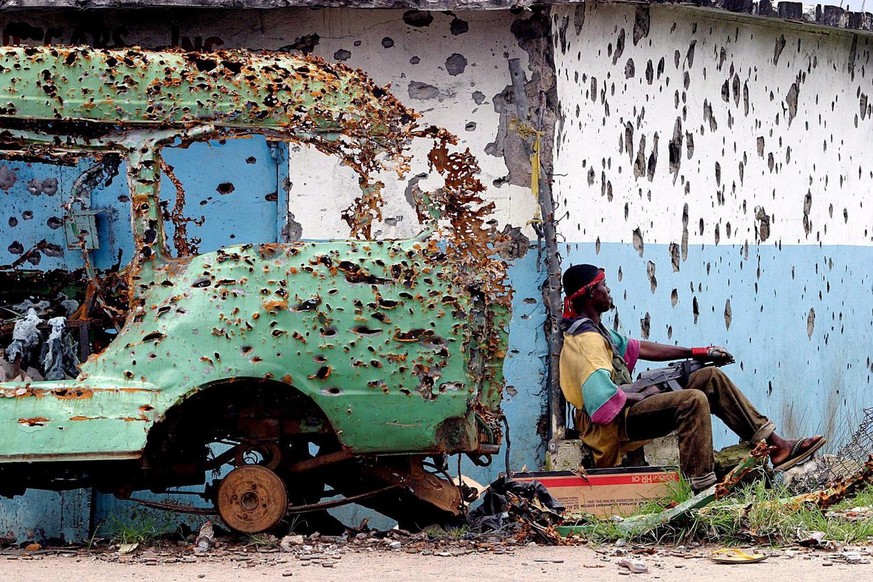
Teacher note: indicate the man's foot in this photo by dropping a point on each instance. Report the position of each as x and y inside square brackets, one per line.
[793, 452]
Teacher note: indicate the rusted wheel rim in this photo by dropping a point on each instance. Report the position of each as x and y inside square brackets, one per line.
[252, 499]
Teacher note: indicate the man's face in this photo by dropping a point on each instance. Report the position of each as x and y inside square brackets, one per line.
[601, 299]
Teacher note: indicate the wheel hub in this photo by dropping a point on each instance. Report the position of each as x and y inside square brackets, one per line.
[252, 499]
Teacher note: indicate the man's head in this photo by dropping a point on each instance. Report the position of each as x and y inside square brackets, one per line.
[586, 291]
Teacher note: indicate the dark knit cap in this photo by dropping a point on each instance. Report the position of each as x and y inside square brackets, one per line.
[578, 276]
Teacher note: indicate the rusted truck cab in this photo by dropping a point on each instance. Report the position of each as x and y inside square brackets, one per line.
[281, 367]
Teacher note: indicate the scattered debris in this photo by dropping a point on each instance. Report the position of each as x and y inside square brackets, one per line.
[205, 538]
[633, 566]
[525, 507]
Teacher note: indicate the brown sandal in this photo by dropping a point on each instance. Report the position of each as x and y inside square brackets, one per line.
[798, 453]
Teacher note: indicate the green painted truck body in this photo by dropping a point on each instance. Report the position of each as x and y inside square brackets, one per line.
[398, 343]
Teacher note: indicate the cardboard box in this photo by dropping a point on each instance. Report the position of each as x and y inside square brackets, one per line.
[605, 492]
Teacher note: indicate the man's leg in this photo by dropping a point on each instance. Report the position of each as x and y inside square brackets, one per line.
[728, 403]
[688, 412]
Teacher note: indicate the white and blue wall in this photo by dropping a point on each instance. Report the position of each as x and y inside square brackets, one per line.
[720, 172]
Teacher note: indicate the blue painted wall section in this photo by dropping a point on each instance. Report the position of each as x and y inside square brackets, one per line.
[798, 323]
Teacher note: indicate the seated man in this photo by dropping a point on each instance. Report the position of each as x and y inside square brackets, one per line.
[595, 374]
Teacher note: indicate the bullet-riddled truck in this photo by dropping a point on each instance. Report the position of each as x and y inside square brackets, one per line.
[264, 371]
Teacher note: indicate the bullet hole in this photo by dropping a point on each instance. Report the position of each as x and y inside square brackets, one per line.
[689, 55]
[674, 149]
[478, 97]
[777, 50]
[414, 61]
[728, 314]
[791, 99]
[470, 126]
[761, 146]
[650, 72]
[13, 222]
[201, 283]
[695, 309]
[645, 326]
[417, 18]
[807, 208]
[16, 248]
[736, 90]
[578, 17]
[458, 26]
[685, 232]
[689, 145]
[155, 336]
[366, 331]
[725, 92]
[762, 226]
[27, 215]
[342, 55]
[51, 250]
[660, 67]
[674, 256]
[305, 44]
[674, 297]
[357, 43]
[251, 160]
[650, 273]
[619, 47]
[718, 174]
[638, 241]
[456, 64]
[629, 69]
[387, 42]
[640, 163]
[653, 160]
[271, 197]
[225, 188]
[641, 23]
[7, 178]
[322, 374]
[329, 331]
[629, 140]
[422, 91]
[810, 322]
[332, 391]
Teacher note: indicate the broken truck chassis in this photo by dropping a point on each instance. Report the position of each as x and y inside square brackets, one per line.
[450, 274]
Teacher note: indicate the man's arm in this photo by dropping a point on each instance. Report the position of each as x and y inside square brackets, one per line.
[656, 352]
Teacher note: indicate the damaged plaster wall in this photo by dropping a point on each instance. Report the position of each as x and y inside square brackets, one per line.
[451, 67]
[719, 172]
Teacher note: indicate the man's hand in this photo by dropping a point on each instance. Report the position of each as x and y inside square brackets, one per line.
[716, 354]
[634, 395]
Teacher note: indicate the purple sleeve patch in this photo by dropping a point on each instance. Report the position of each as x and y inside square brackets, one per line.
[632, 353]
[610, 409]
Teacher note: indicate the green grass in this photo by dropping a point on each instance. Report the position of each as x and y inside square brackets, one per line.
[755, 513]
[138, 527]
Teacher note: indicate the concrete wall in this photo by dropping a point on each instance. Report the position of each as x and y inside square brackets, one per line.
[719, 171]
[453, 68]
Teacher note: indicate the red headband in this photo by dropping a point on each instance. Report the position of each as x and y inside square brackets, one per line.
[569, 312]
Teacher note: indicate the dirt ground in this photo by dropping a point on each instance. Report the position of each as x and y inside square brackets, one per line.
[528, 563]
